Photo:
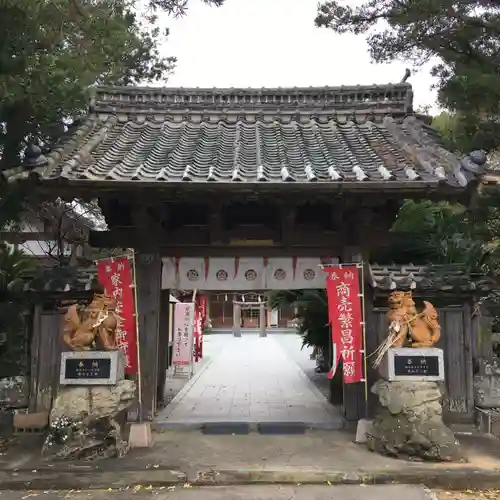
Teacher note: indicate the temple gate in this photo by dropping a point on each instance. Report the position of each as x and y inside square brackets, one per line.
[253, 173]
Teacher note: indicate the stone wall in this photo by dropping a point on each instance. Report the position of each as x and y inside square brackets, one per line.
[487, 395]
[14, 392]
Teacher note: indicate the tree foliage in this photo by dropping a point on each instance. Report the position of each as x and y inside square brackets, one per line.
[53, 52]
[443, 233]
[464, 36]
[312, 313]
[14, 266]
[464, 133]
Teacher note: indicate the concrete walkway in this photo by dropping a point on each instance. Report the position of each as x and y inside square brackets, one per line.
[250, 380]
[237, 493]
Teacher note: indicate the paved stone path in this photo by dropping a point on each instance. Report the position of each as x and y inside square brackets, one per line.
[250, 380]
[235, 493]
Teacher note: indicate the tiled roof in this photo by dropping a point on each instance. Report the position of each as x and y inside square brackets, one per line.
[345, 136]
[444, 278]
[431, 278]
[57, 280]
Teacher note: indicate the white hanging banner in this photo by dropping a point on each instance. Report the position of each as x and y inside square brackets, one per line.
[183, 334]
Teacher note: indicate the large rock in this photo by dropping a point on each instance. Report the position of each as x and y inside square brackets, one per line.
[83, 425]
[409, 422]
[93, 401]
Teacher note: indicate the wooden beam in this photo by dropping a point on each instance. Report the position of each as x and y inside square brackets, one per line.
[148, 280]
[288, 216]
[184, 238]
[215, 224]
[250, 251]
[145, 225]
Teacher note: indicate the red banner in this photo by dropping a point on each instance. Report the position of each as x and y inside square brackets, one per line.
[203, 307]
[116, 278]
[346, 320]
[197, 331]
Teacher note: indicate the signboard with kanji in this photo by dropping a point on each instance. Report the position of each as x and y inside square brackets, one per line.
[346, 320]
[184, 318]
[116, 278]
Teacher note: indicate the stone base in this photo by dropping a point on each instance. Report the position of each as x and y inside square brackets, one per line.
[364, 429]
[83, 422]
[409, 423]
[140, 435]
[93, 401]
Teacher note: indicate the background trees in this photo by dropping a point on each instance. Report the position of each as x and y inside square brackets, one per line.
[461, 38]
[53, 53]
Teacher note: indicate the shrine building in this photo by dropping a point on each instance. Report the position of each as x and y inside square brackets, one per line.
[232, 191]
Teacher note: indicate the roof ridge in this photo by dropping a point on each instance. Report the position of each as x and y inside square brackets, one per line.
[152, 89]
[396, 98]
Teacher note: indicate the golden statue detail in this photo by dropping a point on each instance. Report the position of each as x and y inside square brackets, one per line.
[407, 326]
[95, 324]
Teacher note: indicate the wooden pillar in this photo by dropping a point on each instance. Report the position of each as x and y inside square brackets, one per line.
[209, 301]
[164, 332]
[148, 279]
[372, 336]
[236, 319]
[262, 320]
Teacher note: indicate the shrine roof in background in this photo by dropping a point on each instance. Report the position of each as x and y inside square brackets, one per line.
[422, 278]
[56, 282]
[361, 137]
[70, 281]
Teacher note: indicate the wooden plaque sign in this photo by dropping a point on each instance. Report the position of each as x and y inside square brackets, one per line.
[416, 366]
[92, 367]
[87, 368]
[413, 364]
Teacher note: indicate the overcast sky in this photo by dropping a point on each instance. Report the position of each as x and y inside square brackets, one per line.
[272, 43]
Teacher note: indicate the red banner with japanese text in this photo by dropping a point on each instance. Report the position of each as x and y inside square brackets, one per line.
[116, 278]
[203, 308]
[197, 321]
[346, 320]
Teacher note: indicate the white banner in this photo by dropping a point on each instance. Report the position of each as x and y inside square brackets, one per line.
[183, 334]
[247, 273]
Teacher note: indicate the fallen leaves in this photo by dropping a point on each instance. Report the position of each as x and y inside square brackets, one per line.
[488, 494]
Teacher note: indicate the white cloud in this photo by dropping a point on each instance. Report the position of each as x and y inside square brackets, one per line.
[272, 43]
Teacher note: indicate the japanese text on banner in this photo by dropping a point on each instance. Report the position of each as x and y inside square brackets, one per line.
[183, 334]
[116, 278]
[345, 317]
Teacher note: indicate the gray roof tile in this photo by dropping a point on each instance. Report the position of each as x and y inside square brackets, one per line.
[451, 278]
[328, 135]
[386, 278]
[57, 280]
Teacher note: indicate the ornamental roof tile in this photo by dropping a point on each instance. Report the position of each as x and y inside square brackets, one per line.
[443, 278]
[343, 136]
[57, 280]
